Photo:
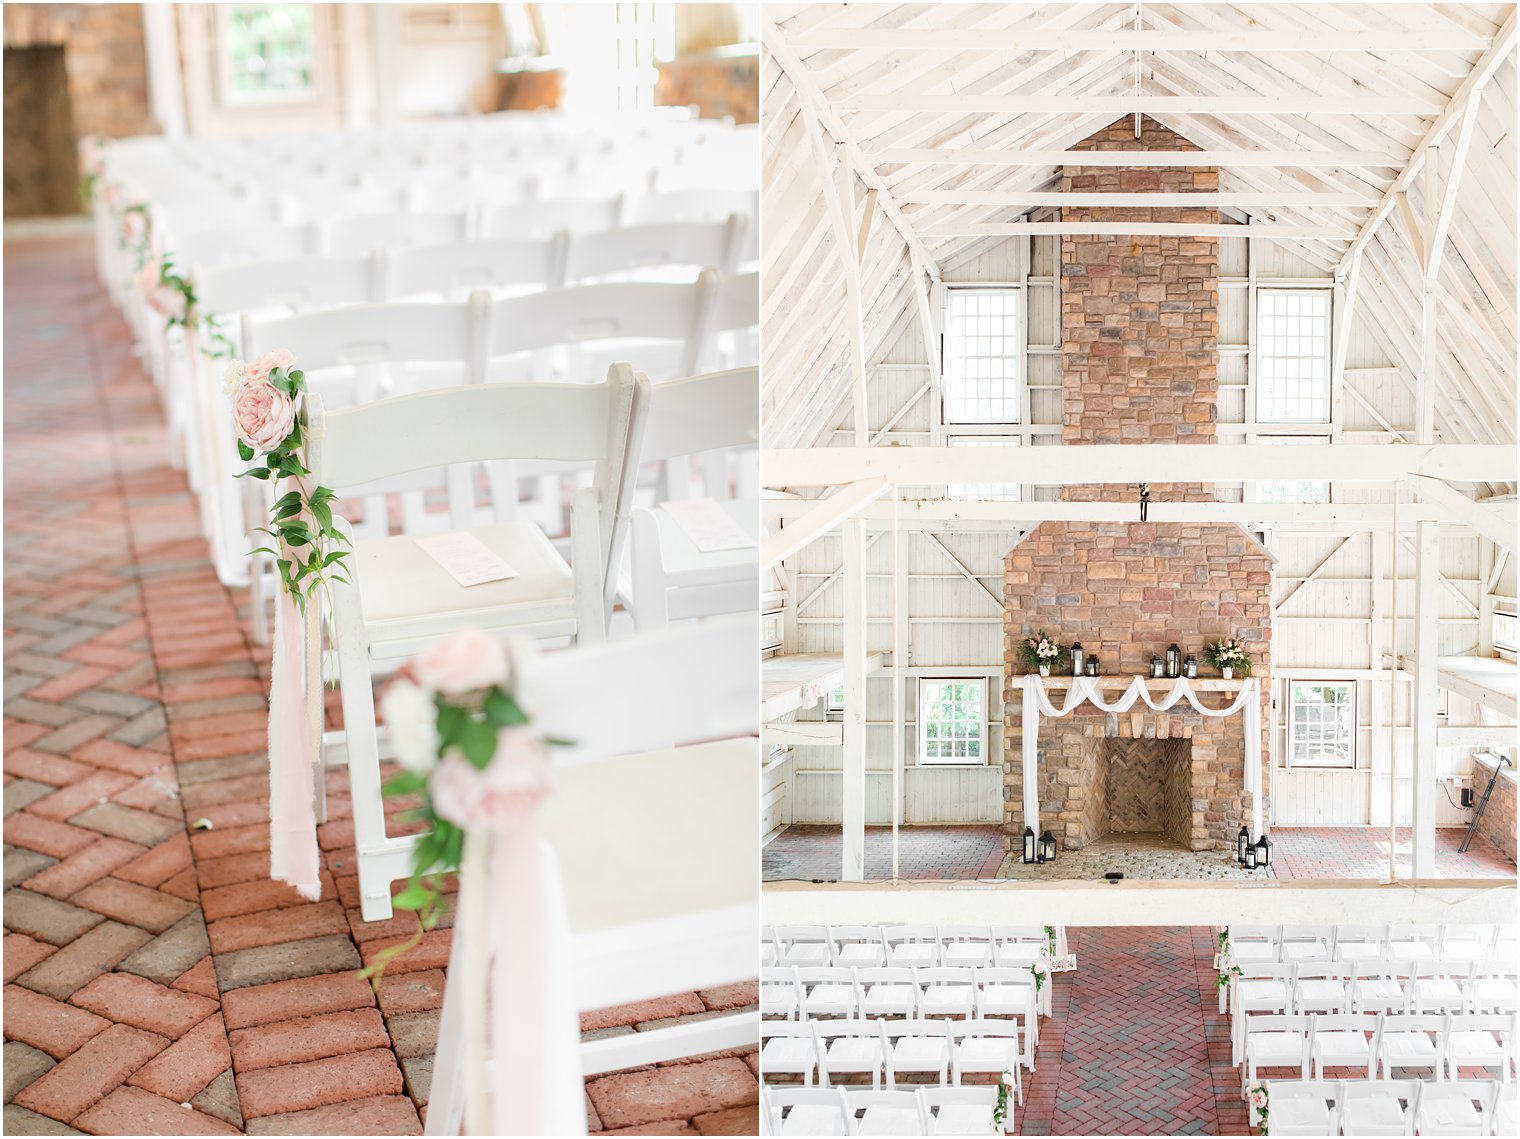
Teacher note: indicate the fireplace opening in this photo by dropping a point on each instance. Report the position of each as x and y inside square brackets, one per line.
[1142, 792]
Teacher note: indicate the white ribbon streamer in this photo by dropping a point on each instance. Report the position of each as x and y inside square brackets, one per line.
[1086, 690]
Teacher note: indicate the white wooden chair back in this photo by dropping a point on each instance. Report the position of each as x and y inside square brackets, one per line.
[692, 205]
[546, 218]
[299, 285]
[455, 269]
[363, 233]
[229, 245]
[629, 249]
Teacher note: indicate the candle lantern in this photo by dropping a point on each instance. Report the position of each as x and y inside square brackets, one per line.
[1092, 665]
[1190, 669]
[1029, 845]
[1173, 660]
[1047, 847]
[1242, 841]
[1263, 849]
[1078, 658]
[1250, 862]
[1156, 667]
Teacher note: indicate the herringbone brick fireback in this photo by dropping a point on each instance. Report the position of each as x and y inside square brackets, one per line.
[1149, 787]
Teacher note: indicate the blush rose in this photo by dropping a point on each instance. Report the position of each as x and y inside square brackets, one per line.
[263, 414]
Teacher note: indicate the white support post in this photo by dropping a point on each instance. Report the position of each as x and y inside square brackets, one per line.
[1425, 386]
[387, 31]
[1427, 644]
[1488, 557]
[853, 785]
[900, 634]
[1381, 699]
[1345, 301]
[166, 92]
[1394, 541]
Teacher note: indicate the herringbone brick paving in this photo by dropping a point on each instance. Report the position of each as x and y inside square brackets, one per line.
[155, 981]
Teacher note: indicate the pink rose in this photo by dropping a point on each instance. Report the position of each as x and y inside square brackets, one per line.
[260, 369]
[264, 415]
[133, 226]
[1258, 1099]
[505, 794]
[167, 301]
[149, 275]
[466, 661]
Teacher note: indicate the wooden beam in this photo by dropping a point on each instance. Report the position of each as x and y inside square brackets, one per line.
[1437, 237]
[1477, 79]
[1485, 735]
[1019, 40]
[809, 94]
[854, 630]
[1345, 303]
[1498, 528]
[1427, 636]
[867, 217]
[1275, 159]
[961, 568]
[1314, 573]
[1412, 227]
[1142, 462]
[1276, 232]
[1029, 200]
[808, 733]
[1377, 106]
[824, 515]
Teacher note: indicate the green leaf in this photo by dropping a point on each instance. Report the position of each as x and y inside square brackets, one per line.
[414, 897]
[478, 742]
[245, 452]
[452, 721]
[254, 473]
[404, 783]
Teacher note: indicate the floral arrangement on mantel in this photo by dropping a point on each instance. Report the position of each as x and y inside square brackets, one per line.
[1005, 1089]
[462, 733]
[1229, 657]
[1258, 1096]
[1042, 652]
[267, 411]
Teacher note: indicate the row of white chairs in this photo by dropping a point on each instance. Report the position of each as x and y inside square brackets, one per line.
[1377, 984]
[1254, 943]
[943, 1050]
[1389, 1107]
[928, 993]
[1374, 1041]
[790, 1110]
[908, 945]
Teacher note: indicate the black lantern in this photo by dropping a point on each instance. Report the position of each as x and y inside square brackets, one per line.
[1047, 847]
[1263, 850]
[1078, 658]
[1156, 668]
[1250, 862]
[1190, 668]
[1092, 665]
[1030, 853]
[1173, 660]
[1242, 842]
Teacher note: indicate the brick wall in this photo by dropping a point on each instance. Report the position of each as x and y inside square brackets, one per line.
[1140, 365]
[1498, 825]
[107, 61]
[718, 85]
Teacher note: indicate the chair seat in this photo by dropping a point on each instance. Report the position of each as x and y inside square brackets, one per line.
[908, 955]
[811, 1120]
[1320, 992]
[1273, 994]
[1409, 1049]
[830, 1000]
[1341, 1045]
[1007, 998]
[788, 1054]
[860, 956]
[1377, 991]
[962, 1119]
[1273, 1049]
[921, 1054]
[889, 1000]
[404, 593]
[855, 1053]
[1302, 951]
[1247, 951]
[776, 1000]
[1449, 1113]
[1410, 950]
[1495, 992]
[684, 564]
[948, 1000]
[1469, 1045]
[961, 956]
[1301, 1115]
[987, 1054]
[1011, 955]
[1438, 990]
[1381, 1116]
[889, 1121]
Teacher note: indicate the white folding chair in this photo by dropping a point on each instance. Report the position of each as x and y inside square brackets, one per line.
[652, 251]
[827, 993]
[895, 1112]
[1457, 1108]
[1259, 988]
[789, 1048]
[946, 992]
[1009, 994]
[644, 920]
[852, 1048]
[1376, 1107]
[805, 1111]
[857, 946]
[1438, 987]
[1018, 944]
[920, 1047]
[455, 269]
[1304, 1107]
[1358, 941]
[672, 577]
[911, 945]
[887, 992]
[1344, 1040]
[779, 992]
[806, 946]
[363, 233]
[398, 599]
[1466, 942]
[1256, 944]
[1413, 942]
[1492, 987]
[1411, 1042]
[1379, 984]
[545, 218]
[962, 1111]
[1484, 1040]
[987, 1047]
[1306, 942]
[1274, 1041]
[965, 946]
[1321, 986]
[1501, 1110]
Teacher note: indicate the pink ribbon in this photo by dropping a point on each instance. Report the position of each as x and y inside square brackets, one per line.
[293, 752]
[517, 1006]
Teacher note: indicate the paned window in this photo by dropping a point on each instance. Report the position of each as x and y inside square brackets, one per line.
[268, 54]
[1293, 356]
[952, 721]
[983, 491]
[983, 356]
[1321, 725]
[1506, 632]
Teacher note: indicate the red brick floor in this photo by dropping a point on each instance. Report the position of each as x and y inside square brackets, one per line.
[155, 981]
[811, 853]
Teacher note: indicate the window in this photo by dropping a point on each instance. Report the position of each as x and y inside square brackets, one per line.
[983, 350]
[1293, 356]
[268, 54]
[952, 721]
[833, 704]
[987, 491]
[1292, 490]
[1321, 725]
[1506, 632]
[770, 630]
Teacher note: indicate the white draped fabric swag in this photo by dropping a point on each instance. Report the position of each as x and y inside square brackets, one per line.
[1086, 690]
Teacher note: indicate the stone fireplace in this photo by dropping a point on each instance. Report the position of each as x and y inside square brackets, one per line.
[1139, 365]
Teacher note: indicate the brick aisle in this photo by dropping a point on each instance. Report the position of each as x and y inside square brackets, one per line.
[1134, 1045]
[156, 981]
